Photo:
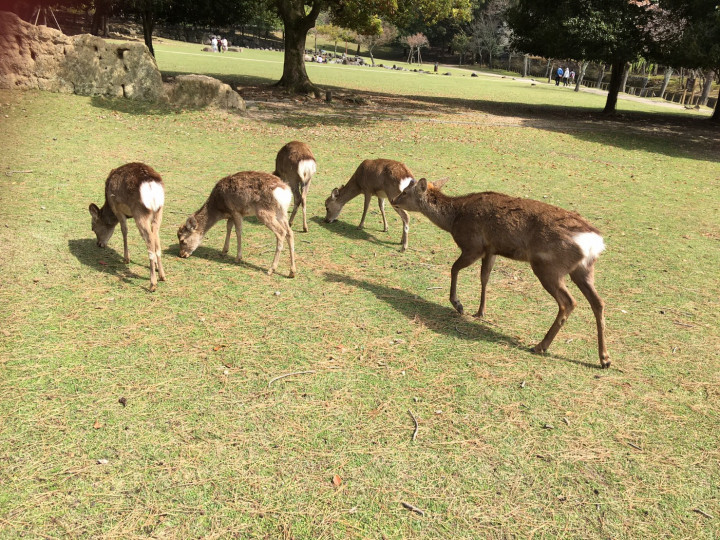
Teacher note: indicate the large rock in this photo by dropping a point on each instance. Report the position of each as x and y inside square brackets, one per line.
[38, 57]
[197, 91]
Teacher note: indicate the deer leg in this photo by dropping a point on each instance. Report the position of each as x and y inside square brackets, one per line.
[381, 205]
[237, 218]
[465, 260]
[297, 197]
[304, 205]
[226, 246]
[144, 225]
[123, 228]
[280, 229]
[157, 221]
[584, 278]
[487, 266]
[291, 241]
[554, 283]
[368, 196]
[405, 217]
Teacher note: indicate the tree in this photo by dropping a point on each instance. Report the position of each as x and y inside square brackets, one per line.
[378, 33]
[415, 42]
[698, 45]
[461, 44]
[612, 31]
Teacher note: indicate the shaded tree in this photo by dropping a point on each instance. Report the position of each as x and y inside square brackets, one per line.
[378, 33]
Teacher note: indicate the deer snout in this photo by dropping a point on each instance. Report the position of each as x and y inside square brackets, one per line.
[101, 244]
[328, 220]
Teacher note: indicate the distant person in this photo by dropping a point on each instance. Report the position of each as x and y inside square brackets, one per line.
[558, 76]
[436, 67]
[224, 43]
[219, 43]
[213, 44]
[572, 76]
[566, 76]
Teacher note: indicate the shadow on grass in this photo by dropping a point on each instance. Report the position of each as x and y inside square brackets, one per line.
[216, 255]
[105, 260]
[441, 319]
[351, 232]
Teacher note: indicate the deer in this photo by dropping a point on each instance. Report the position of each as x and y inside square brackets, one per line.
[556, 242]
[247, 193]
[383, 178]
[136, 191]
[295, 164]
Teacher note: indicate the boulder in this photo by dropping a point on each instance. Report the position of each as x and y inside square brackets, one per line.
[38, 57]
[197, 91]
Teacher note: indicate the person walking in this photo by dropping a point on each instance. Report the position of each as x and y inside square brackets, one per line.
[566, 76]
[558, 76]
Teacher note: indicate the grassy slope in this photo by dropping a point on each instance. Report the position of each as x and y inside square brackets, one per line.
[205, 447]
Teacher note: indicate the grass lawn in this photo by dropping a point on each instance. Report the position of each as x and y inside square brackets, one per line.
[508, 444]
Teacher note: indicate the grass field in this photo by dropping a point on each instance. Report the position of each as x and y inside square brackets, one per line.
[508, 444]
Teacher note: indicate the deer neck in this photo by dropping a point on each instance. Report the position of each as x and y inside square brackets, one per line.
[348, 191]
[107, 216]
[438, 208]
[206, 218]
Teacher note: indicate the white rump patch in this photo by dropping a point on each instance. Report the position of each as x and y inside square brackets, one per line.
[591, 244]
[306, 169]
[283, 196]
[152, 195]
[405, 182]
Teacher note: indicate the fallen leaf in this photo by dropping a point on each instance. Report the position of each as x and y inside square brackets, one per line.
[337, 481]
[103, 263]
[102, 461]
[97, 424]
[122, 401]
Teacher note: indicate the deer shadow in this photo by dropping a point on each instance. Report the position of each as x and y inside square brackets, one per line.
[351, 232]
[228, 259]
[105, 260]
[441, 319]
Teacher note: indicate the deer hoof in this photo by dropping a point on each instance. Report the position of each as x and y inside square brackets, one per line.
[291, 274]
[458, 307]
[153, 287]
[605, 363]
[305, 229]
[126, 260]
[479, 315]
[270, 272]
[537, 349]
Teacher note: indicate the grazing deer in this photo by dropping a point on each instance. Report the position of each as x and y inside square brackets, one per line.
[135, 191]
[383, 178]
[554, 241]
[295, 165]
[242, 194]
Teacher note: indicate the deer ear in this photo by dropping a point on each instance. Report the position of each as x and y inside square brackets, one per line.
[438, 184]
[335, 193]
[192, 223]
[423, 184]
[94, 210]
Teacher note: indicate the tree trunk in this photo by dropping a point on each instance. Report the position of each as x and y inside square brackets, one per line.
[616, 76]
[548, 71]
[716, 115]
[581, 75]
[148, 22]
[626, 73]
[601, 76]
[525, 65]
[666, 81]
[296, 24]
[709, 76]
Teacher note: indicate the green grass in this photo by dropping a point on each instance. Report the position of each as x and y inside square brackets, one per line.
[205, 448]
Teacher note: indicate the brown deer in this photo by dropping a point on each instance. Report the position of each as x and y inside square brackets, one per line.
[135, 191]
[554, 241]
[295, 164]
[383, 178]
[234, 197]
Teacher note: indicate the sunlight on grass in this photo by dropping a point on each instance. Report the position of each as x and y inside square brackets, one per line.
[127, 413]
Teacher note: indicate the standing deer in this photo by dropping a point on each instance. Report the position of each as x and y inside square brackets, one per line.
[295, 165]
[135, 191]
[554, 241]
[383, 178]
[242, 194]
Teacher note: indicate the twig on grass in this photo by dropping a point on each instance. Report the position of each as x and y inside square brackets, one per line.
[290, 375]
[414, 435]
[412, 508]
[634, 446]
[705, 514]
[10, 173]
